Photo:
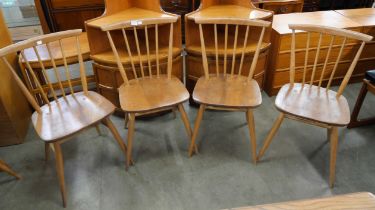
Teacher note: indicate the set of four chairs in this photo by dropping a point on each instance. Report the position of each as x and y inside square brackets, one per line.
[152, 89]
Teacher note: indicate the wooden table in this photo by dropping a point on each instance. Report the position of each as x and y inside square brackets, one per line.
[355, 201]
[279, 59]
[70, 51]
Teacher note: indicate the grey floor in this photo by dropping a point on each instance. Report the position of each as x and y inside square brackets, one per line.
[296, 165]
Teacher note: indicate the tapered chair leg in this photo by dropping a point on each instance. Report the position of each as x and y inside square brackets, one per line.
[126, 120]
[332, 166]
[98, 129]
[197, 123]
[186, 122]
[251, 124]
[107, 122]
[46, 151]
[7, 169]
[130, 138]
[270, 135]
[60, 170]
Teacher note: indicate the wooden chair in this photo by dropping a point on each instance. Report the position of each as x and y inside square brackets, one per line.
[229, 90]
[146, 89]
[7, 169]
[309, 102]
[61, 118]
[367, 86]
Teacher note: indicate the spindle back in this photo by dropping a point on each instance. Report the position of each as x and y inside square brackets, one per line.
[141, 53]
[231, 23]
[334, 34]
[46, 87]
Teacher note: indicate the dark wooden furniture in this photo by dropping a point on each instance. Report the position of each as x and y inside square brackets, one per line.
[7, 169]
[227, 88]
[309, 100]
[278, 68]
[280, 6]
[180, 7]
[216, 9]
[353, 201]
[311, 5]
[108, 78]
[59, 15]
[14, 110]
[354, 121]
[61, 117]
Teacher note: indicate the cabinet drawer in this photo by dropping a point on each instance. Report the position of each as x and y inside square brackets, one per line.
[62, 4]
[283, 8]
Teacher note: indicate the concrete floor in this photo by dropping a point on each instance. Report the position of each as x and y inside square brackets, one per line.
[296, 165]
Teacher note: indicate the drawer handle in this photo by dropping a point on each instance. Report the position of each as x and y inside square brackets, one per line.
[106, 87]
[283, 9]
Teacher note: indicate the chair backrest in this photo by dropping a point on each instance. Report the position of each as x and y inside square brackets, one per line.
[335, 35]
[140, 51]
[49, 87]
[228, 23]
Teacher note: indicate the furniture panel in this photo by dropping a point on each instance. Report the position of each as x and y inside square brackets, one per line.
[14, 110]
[60, 4]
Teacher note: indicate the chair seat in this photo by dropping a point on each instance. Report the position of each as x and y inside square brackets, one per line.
[313, 103]
[70, 115]
[148, 94]
[227, 92]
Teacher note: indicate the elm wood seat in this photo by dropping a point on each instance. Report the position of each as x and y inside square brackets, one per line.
[229, 90]
[62, 117]
[151, 90]
[314, 104]
[7, 169]
[148, 94]
[68, 116]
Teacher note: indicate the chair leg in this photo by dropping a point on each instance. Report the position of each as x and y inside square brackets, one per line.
[332, 166]
[126, 120]
[60, 170]
[98, 129]
[186, 122]
[46, 151]
[270, 135]
[130, 138]
[107, 122]
[354, 122]
[7, 169]
[197, 123]
[251, 124]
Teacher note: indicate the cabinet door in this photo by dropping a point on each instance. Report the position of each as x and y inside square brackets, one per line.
[74, 19]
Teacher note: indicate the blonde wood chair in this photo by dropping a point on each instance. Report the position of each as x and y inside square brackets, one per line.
[7, 169]
[146, 89]
[309, 101]
[61, 117]
[229, 89]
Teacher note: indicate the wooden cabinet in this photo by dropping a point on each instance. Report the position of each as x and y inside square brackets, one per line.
[108, 77]
[233, 9]
[279, 61]
[280, 6]
[14, 109]
[59, 15]
[311, 5]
